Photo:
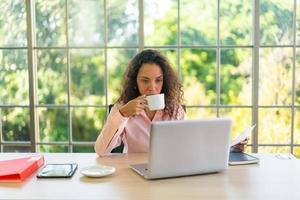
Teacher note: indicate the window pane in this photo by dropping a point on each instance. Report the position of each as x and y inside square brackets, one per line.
[297, 152]
[241, 119]
[274, 126]
[236, 22]
[297, 77]
[13, 77]
[50, 23]
[117, 62]
[297, 126]
[171, 55]
[276, 22]
[15, 124]
[53, 124]
[236, 80]
[268, 149]
[122, 22]
[52, 65]
[199, 76]
[87, 123]
[275, 76]
[200, 30]
[298, 22]
[82, 148]
[54, 148]
[160, 19]
[86, 23]
[13, 23]
[200, 113]
[16, 149]
[87, 77]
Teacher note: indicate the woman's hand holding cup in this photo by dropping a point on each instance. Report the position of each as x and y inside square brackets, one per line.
[134, 107]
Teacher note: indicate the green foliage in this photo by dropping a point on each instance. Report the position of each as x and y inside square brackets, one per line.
[52, 65]
[15, 124]
[53, 124]
[13, 18]
[198, 24]
[86, 123]
[199, 68]
[122, 22]
[50, 26]
[276, 22]
[87, 77]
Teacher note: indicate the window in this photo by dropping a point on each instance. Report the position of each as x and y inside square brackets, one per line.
[234, 58]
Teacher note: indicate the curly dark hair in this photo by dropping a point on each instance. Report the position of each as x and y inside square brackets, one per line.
[172, 87]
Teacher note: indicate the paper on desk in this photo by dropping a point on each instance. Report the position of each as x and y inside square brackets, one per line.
[245, 134]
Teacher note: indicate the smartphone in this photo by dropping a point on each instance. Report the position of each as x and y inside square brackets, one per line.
[57, 170]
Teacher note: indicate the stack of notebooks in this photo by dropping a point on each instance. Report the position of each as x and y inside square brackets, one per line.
[16, 170]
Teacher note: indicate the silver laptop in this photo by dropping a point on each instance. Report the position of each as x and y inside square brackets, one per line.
[187, 147]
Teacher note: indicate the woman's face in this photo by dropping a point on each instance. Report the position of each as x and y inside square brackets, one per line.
[150, 79]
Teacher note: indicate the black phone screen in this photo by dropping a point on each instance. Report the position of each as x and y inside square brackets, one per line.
[57, 170]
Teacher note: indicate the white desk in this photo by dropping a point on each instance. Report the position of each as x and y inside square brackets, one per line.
[273, 178]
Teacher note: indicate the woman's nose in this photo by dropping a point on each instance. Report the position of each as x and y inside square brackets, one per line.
[152, 86]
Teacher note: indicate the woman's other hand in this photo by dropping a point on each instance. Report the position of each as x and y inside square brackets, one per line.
[240, 147]
[134, 107]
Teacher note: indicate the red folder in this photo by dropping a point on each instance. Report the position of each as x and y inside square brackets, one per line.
[16, 170]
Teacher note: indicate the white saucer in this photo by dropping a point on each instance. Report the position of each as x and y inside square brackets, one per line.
[97, 171]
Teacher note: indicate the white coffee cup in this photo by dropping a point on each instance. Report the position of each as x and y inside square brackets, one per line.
[156, 101]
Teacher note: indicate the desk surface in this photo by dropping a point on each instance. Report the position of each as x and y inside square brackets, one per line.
[273, 178]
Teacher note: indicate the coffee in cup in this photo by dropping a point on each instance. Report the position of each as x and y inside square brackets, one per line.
[156, 101]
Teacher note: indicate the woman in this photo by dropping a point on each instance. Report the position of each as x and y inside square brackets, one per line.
[129, 121]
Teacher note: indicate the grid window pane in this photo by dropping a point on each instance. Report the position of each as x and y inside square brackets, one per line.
[50, 23]
[171, 55]
[198, 69]
[274, 126]
[297, 77]
[276, 22]
[297, 152]
[83, 148]
[52, 76]
[87, 123]
[297, 126]
[236, 79]
[87, 77]
[200, 30]
[14, 77]
[95, 82]
[298, 22]
[241, 119]
[160, 19]
[16, 149]
[13, 23]
[236, 22]
[53, 124]
[86, 23]
[200, 113]
[15, 124]
[272, 149]
[275, 76]
[54, 148]
[122, 22]
[117, 62]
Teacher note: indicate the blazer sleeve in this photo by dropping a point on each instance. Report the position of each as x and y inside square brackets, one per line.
[111, 133]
